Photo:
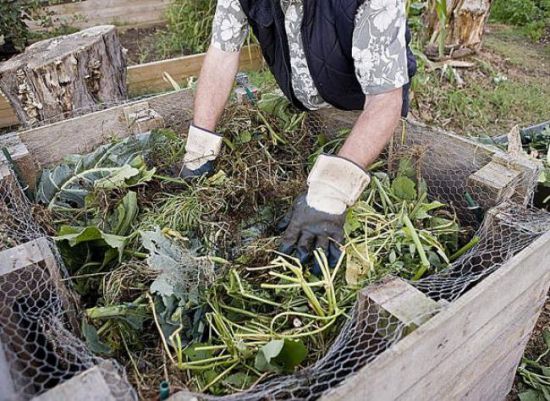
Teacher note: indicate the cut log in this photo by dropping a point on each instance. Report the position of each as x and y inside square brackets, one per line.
[463, 31]
[55, 77]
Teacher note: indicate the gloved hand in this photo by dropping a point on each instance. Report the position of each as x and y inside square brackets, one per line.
[201, 149]
[317, 218]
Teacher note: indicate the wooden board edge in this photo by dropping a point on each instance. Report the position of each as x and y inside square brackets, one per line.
[48, 145]
[144, 78]
[410, 344]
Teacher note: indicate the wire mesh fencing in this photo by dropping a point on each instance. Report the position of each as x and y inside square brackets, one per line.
[39, 321]
[39, 344]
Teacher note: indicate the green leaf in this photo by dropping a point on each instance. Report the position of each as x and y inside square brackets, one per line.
[423, 209]
[126, 213]
[80, 235]
[118, 178]
[404, 188]
[193, 354]
[182, 274]
[406, 169]
[68, 184]
[531, 395]
[245, 137]
[239, 380]
[352, 223]
[280, 356]
[92, 340]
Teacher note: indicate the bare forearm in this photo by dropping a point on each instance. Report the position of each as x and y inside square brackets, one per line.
[214, 86]
[373, 128]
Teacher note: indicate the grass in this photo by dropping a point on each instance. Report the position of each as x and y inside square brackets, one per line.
[188, 27]
[513, 44]
[509, 85]
[532, 17]
[483, 106]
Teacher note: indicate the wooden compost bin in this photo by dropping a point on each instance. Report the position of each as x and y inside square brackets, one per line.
[465, 350]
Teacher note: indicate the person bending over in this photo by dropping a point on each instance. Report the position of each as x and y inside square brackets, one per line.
[348, 54]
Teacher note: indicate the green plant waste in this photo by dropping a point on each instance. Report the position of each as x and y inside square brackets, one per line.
[182, 281]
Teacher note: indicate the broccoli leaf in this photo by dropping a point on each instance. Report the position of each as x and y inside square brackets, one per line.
[280, 356]
[110, 166]
[92, 340]
[182, 274]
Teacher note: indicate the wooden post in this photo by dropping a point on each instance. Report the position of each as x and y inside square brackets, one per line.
[393, 303]
[505, 177]
[467, 351]
[94, 384]
[492, 184]
[141, 118]
[60, 75]
[23, 161]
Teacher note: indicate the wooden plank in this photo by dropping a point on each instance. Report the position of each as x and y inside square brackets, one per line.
[32, 270]
[492, 342]
[395, 302]
[530, 170]
[87, 386]
[492, 184]
[417, 355]
[494, 383]
[27, 254]
[50, 144]
[98, 12]
[10, 191]
[24, 162]
[146, 77]
[8, 117]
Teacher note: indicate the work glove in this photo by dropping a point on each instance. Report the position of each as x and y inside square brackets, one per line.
[201, 149]
[317, 218]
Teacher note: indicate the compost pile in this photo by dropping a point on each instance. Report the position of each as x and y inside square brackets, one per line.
[182, 282]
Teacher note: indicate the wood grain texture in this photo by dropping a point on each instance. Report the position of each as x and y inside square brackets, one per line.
[59, 75]
[492, 184]
[395, 302]
[50, 144]
[88, 13]
[495, 382]
[492, 343]
[417, 355]
[87, 386]
[8, 117]
[145, 78]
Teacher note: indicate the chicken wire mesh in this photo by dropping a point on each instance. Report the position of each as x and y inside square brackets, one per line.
[42, 349]
[38, 345]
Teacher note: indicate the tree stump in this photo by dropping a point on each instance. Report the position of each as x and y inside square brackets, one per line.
[54, 78]
[464, 24]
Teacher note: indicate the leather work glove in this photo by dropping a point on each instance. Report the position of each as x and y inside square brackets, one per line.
[201, 149]
[317, 218]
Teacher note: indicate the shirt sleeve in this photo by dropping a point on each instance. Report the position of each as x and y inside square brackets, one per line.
[230, 26]
[379, 48]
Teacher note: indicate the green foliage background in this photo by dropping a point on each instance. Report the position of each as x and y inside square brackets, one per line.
[13, 17]
[532, 15]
